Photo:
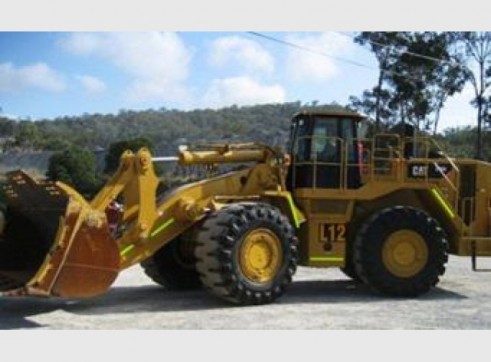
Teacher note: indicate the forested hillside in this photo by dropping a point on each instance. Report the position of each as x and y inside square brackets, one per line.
[167, 129]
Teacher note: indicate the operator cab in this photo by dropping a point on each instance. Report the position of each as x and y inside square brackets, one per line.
[325, 151]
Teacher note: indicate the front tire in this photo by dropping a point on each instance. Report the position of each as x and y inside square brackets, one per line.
[401, 251]
[174, 266]
[247, 253]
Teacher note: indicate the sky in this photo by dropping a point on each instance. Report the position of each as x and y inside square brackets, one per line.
[55, 74]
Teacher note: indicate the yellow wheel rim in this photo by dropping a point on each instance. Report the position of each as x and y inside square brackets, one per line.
[405, 253]
[260, 255]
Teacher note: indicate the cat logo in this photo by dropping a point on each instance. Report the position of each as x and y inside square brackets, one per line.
[419, 170]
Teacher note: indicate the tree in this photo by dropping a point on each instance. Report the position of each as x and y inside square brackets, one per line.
[487, 117]
[116, 149]
[7, 127]
[27, 135]
[375, 104]
[384, 46]
[477, 48]
[451, 79]
[417, 74]
[55, 143]
[76, 167]
[425, 74]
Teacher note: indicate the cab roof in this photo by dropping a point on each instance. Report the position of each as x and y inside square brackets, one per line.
[331, 113]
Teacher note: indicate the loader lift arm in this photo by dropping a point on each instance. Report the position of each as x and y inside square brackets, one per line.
[85, 258]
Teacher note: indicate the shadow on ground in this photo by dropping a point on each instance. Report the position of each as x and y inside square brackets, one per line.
[15, 311]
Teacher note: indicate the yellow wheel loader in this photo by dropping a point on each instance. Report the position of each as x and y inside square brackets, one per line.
[387, 210]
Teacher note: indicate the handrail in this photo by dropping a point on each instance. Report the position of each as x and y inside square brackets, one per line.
[313, 159]
[440, 170]
[386, 160]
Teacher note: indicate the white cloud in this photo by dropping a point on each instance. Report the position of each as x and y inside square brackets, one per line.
[246, 53]
[38, 75]
[302, 65]
[241, 91]
[158, 63]
[82, 43]
[92, 85]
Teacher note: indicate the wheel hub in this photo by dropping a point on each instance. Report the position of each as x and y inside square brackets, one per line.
[405, 253]
[260, 256]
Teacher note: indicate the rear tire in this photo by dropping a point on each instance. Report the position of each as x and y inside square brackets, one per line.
[174, 266]
[350, 271]
[349, 268]
[401, 251]
[247, 253]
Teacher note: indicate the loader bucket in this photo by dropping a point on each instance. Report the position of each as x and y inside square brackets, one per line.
[53, 243]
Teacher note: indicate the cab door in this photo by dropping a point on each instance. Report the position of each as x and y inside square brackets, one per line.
[324, 153]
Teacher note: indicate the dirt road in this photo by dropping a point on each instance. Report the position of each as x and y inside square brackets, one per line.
[317, 299]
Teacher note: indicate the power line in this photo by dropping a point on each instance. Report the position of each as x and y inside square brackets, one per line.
[416, 55]
[300, 47]
[310, 50]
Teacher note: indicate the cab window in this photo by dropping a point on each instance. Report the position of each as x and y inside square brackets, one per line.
[325, 143]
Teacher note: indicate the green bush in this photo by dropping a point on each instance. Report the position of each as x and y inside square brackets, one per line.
[76, 167]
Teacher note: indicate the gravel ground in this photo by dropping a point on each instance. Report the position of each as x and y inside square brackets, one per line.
[320, 299]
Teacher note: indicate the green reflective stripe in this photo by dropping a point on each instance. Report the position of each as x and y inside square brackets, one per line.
[127, 250]
[162, 227]
[296, 217]
[326, 258]
[443, 202]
